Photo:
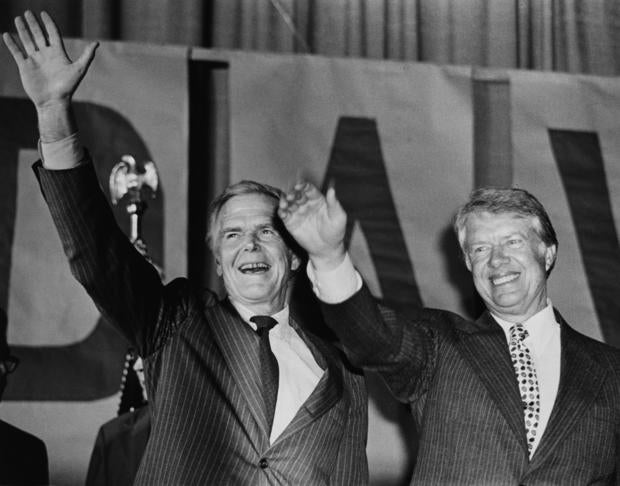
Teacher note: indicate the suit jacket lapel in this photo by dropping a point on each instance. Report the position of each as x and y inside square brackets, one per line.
[581, 378]
[240, 351]
[486, 350]
[328, 390]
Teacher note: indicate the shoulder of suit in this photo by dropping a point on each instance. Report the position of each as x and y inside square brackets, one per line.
[605, 354]
[182, 289]
[12, 436]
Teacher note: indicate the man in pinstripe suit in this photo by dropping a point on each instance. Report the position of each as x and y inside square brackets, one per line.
[516, 397]
[210, 424]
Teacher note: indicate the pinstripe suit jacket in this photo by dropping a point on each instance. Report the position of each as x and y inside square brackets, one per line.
[201, 365]
[458, 378]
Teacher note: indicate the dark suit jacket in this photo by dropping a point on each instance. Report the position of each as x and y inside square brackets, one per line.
[201, 364]
[458, 378]
[23, 458]
[119, 447]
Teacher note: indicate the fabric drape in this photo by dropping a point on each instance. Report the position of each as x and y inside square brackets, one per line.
[575, 36]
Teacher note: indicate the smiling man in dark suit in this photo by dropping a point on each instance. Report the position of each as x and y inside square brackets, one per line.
[516, 397]
[239, 392]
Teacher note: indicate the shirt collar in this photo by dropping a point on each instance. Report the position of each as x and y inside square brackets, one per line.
[540, 326]
[280, 328]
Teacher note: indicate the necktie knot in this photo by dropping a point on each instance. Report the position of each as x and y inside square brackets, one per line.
[518, 333]
[263, 324]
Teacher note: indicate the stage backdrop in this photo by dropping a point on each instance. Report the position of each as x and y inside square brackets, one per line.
[396, 140]
[566, 150]
[132, 101]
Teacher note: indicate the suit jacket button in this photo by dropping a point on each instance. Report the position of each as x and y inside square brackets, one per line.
[263, 464]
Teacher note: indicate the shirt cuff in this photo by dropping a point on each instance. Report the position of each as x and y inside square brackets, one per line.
[62, 154]
[337, 285]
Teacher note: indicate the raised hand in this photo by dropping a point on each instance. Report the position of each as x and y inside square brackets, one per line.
[47, 73]
[317, 223]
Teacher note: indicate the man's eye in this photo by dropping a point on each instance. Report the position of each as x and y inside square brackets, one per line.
[231, 236]
[514, 242]
[268, 232]
[479, 249]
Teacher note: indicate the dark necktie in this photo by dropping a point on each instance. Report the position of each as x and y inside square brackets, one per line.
[268, 365]
[528, 382]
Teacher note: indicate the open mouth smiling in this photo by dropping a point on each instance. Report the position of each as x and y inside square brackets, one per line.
[504, 279]
[254, 268]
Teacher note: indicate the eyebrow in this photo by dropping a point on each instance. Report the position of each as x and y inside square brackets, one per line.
[227, 229]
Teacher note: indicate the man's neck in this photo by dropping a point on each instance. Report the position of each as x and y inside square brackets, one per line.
[247, 311]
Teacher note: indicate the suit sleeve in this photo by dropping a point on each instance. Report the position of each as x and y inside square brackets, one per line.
[96, 467]
[41, 468]
[403, 351]
[126, 289]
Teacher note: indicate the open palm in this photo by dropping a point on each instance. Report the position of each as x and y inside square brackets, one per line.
[47, 73]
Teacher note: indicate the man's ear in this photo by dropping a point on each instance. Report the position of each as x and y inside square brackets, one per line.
[550, 254]
[218, 268]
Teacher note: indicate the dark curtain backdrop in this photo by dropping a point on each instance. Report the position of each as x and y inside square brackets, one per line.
[576, 36]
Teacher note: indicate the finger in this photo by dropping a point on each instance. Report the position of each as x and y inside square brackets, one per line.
[53, 34]
[282, 214]
[301, 199]
[300, 195]
[35, 29]
[311, 192]
[24, 36]
[283, 204]
[13, 47]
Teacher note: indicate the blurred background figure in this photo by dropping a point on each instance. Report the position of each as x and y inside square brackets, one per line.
[121, 441]
[23, 457]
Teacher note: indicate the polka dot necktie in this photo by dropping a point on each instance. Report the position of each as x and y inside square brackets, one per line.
[528, 382]
[268, 365]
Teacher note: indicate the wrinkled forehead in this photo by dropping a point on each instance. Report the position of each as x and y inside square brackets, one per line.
[246, 209]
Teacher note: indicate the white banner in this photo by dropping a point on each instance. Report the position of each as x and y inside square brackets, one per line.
[567, 148]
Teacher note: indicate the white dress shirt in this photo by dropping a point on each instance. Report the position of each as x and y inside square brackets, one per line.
[299, 372]
[339, 284]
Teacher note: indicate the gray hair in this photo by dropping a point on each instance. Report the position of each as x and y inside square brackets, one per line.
[506, 200]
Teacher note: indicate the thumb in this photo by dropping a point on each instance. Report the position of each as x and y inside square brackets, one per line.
[83, 62]
[334, 208]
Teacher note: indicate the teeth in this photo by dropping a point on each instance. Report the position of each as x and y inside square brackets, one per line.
[254, 267]
[505, 279]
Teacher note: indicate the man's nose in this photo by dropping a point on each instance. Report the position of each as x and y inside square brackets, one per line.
[251, 242]
[498, 256]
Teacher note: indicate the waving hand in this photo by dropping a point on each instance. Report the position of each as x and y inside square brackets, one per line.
[47, 73]
[317, 222]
